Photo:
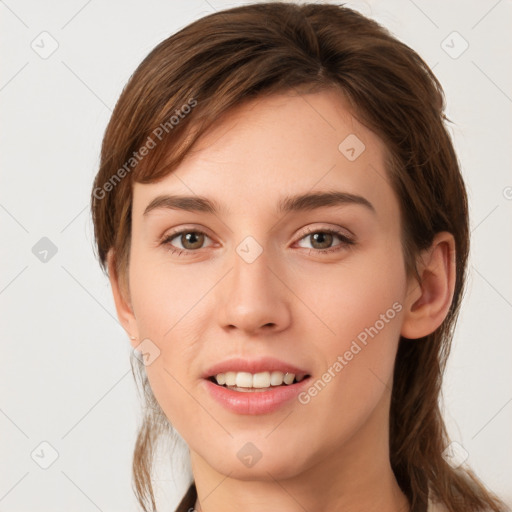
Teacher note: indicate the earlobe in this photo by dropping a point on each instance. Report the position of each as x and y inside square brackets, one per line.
[122, 301]
[427, 303]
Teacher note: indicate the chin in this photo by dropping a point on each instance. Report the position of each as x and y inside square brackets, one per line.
[259, 460]
[261, 472]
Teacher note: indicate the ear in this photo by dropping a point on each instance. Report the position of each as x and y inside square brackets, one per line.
[122, 301]
[427, 302]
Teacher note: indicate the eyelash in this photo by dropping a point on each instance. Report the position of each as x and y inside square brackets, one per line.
[346, 242]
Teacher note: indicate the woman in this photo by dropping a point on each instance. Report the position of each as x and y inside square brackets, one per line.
[285, 228]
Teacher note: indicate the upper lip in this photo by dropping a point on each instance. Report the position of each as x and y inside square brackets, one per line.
[252, 366]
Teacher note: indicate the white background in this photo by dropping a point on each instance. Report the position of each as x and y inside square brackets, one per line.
[65, 369]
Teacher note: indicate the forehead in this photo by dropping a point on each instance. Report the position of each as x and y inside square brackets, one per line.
[280, 145]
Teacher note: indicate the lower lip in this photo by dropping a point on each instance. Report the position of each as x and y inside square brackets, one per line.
[255, 402]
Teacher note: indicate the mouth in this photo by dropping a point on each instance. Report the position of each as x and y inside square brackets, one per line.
[255, 386]
[245, 382]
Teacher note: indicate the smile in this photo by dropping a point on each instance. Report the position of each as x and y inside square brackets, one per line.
[245, 381]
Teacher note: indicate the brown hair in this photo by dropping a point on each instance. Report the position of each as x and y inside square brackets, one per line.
[232, 56]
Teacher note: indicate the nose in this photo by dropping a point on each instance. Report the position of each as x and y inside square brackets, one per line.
[253, 298]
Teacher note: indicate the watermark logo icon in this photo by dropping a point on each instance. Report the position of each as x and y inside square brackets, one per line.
[146, 352]
[249, 454]
[44, 45]
[44, 455]
[454, 45]
[455, 454]
[44, 250]
[249, 249]
[351, 147]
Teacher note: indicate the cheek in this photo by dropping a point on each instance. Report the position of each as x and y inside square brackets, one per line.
[344, 299]
[360, 313]
[169, 308]
[165, 296]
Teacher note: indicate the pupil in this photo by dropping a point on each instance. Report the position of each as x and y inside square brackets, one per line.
[189, 238]
[322, 235]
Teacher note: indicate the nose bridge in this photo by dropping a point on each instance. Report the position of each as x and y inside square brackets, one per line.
[252, 295]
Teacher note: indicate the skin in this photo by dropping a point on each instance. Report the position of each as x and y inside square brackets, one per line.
[292, 303]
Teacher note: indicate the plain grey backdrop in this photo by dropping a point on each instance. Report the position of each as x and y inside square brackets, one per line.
[68, 405]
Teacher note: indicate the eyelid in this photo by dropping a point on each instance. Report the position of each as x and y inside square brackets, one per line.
[186, 228]
[335, 229]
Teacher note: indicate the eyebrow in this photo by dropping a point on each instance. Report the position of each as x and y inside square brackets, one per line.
[300, 202]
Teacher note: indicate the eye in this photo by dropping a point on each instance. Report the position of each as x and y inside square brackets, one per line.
[322, 239]
[190, 240]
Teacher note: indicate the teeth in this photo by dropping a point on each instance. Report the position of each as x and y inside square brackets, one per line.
[288, 378]
[257, 380]
[261, 380]
[243, 380]
[276, 378]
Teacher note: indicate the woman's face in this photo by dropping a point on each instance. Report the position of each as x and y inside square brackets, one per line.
[267, 282]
